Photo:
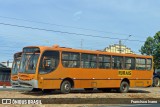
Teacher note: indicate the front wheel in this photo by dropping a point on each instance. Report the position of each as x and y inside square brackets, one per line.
[65, 87]
[124, 87]
[156, 82]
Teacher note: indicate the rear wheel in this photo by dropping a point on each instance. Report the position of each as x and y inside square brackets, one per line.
[65, 87]
[124, 87]
[156, 82]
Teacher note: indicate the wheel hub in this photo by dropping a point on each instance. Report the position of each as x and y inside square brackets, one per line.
[124, 87]
[66, 86]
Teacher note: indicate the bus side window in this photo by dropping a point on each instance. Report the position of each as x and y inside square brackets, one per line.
[49, 61]
[140, 64]
[117, 62]
[88, 60]
[104, 61]
[149, 64]
[129, 63]
[70, 59]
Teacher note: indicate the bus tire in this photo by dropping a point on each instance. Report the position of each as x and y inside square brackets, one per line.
[156, 82]
[124, 87]
[65, 87]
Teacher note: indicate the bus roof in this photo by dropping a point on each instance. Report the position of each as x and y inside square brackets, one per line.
[87, 51]
[17, 54]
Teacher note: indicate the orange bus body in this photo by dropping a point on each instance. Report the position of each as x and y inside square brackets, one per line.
[15, 67]
[87, 77]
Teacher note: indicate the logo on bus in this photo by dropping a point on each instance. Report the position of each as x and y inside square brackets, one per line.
[124, 72]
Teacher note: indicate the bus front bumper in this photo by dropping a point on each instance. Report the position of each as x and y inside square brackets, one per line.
[15, 83]
[28, 84]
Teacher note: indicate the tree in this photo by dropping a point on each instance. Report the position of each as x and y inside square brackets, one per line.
[148, 47]
[157, 50]
[152, 47]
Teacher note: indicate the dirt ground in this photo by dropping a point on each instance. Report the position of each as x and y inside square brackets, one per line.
[150, 92]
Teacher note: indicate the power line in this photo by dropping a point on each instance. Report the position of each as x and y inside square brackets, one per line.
[52, 24]
[64, 32]
[9, 46]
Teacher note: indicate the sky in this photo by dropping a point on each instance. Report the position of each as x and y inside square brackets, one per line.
[106, 18]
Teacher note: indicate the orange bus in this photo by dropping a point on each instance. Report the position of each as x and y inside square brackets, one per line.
[15, 68]
[65, 68]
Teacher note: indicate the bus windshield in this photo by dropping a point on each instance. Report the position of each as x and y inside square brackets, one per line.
[16, 64]
[29, 62]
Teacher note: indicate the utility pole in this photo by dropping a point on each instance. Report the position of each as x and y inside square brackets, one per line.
[120, 46]
[8, 63]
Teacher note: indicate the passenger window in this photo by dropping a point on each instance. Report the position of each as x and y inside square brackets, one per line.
[117, 62]
[70, 59]
[88, 61]
[129, 63]
[104, 61]
[49, 61]
[149, 64]
[140, 64]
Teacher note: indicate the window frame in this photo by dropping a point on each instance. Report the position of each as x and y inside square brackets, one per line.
[104, 62]
[134, 63]
[70, 52]
[149, 64]
[82, 61]
[112, 66]
[52, 70]
[140, 64]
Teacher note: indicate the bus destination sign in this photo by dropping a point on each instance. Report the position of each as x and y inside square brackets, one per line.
[124, 72]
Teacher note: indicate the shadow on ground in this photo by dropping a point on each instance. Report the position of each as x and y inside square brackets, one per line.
[57, 92]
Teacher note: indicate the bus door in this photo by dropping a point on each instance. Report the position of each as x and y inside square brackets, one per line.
[48, 64]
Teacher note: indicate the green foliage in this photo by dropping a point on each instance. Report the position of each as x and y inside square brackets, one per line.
[148, 48]
[152, 47]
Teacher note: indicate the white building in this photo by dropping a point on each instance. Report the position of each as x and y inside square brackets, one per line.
[119, 49]
[7, 64]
